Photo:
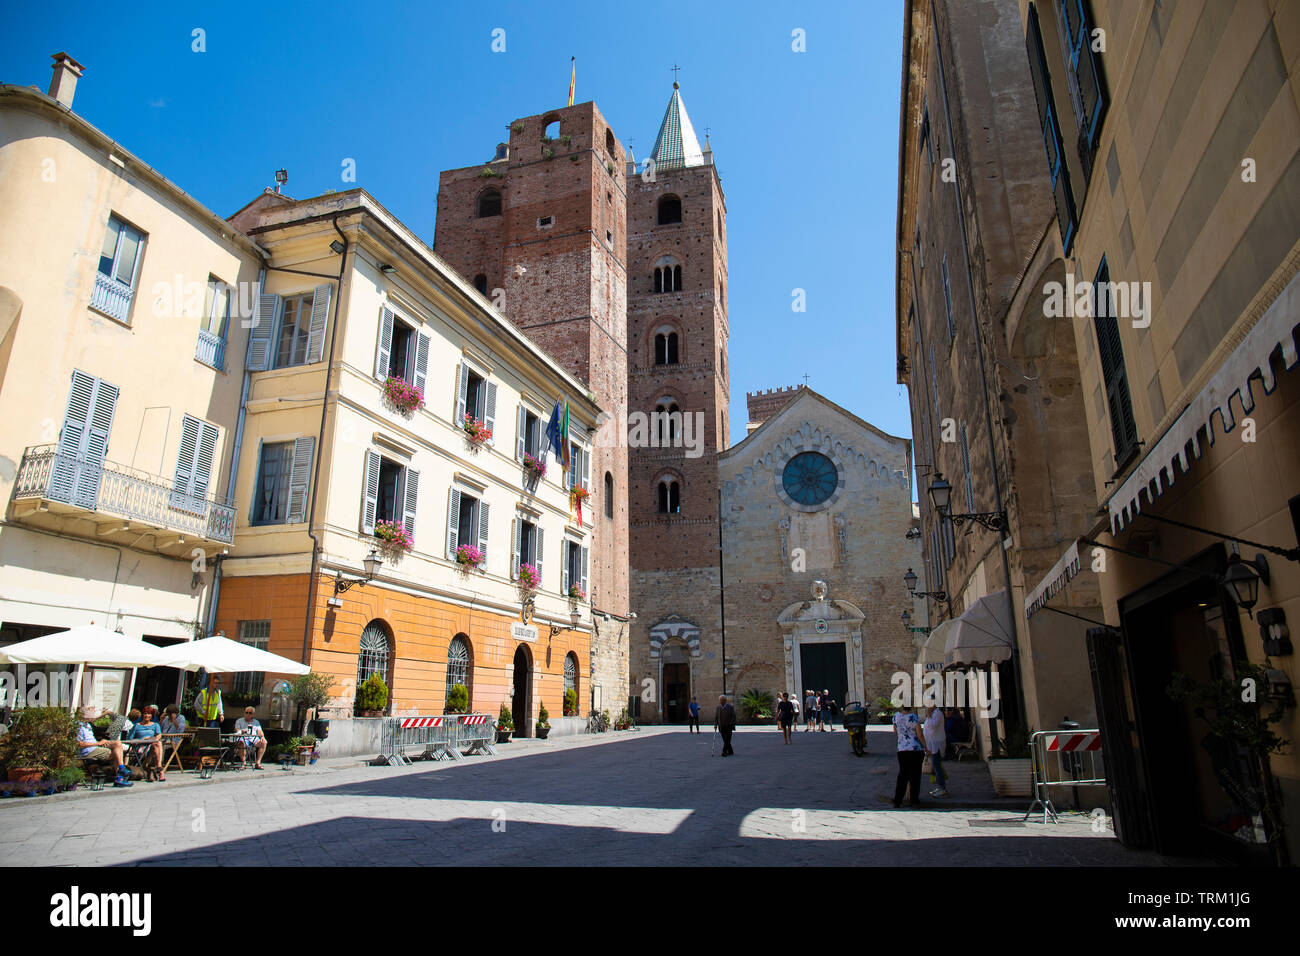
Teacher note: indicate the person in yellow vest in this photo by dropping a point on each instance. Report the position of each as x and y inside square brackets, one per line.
[207, 705]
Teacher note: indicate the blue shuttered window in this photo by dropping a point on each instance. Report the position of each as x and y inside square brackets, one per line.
[1066, 211]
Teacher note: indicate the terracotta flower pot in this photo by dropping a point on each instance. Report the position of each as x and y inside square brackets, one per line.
[23, 774]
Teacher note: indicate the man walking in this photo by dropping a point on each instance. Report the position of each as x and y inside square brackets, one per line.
[693, 716]
[724, 722]
[826, 715]
[936, 742]
[809, 710]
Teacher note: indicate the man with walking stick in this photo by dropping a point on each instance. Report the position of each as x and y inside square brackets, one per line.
[724, 722]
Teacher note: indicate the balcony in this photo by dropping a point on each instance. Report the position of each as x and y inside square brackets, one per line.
[112, 298]
[211, 350]
[111, 502]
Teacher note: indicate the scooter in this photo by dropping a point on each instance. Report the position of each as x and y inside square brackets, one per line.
[855, 722]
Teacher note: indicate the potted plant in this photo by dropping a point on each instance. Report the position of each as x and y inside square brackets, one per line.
[69, 778]
[476, 432]
[505, 725]
[394, 539]
[885, 709]
[402, 395]
[39, 739]
[457, 700]
[312, 692]
[469, 558]
[303, 752]
[543, 723]
[529, 578]
[576, 594]
[624, 720]
[534, 468]
[570, 702]
[757, 706]
[577, 498]
[372, 696]
[1010, 765]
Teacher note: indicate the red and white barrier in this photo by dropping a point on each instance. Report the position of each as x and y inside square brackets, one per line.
[1074, 743]
[470, 719]
[408, 722]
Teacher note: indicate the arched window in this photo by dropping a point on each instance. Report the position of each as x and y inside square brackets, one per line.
[670, 497]
[666, 348]
[458, 666]
[480, 283]
[570, 673]
[670, 210]
[666, 422]
[609, 495]
[489, 203]
[609, 142]
[552, 130]
[668, 278]
[375, 655]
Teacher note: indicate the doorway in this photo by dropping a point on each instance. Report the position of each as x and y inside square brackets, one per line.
[521, 703]
[824, 666]
[677, 692]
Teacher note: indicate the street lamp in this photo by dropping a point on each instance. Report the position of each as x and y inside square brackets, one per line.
[574, 617]
[1242, 579]
[910, 580]
[373, 562]
[941, 498]
[940, 493]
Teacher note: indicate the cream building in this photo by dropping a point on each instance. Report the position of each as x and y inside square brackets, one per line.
[120, 348]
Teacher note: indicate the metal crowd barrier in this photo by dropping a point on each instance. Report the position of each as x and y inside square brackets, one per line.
[437, 738]
[1064, 758]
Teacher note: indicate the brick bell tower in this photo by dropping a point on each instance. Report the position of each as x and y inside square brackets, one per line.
[541, 230]
[677, 335]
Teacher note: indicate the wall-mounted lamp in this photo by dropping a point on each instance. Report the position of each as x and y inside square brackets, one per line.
[909, 579]
[1242, 580]
[337, 246]
[386, 268]
[373, 563]
[575, 616]
[941, 498]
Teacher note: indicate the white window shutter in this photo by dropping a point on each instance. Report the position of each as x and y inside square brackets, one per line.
[384, 347]
[462, 379]
[299, 478]
[76, 418]
[185, 456]
[539, 547]
[453, 523]
[586, 468]
[564, 566]
[261, 335]
[490, 407]
[515, 531]
[520, 438]
[410, 492]
[586, 553]
[370, 493]
[320, 309]
[483, 510]
[421, 361]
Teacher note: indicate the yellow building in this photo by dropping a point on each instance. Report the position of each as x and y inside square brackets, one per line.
[120, 346]
[353, 300]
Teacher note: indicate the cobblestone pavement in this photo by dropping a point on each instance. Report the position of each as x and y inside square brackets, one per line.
[649, 797]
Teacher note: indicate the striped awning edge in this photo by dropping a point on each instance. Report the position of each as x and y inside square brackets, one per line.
[1061, 574]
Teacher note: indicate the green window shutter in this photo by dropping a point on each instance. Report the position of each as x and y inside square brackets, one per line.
[384, 347]
[320, 309]
[299, 478]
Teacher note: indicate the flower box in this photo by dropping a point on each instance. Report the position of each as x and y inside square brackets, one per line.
[576, 593]
[468, 558]
[393, 538]
[535, 467]
[475, 431]
[529, 578]
[402, 395]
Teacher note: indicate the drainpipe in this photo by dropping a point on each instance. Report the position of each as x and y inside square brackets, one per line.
[234, 474]
[988, 411]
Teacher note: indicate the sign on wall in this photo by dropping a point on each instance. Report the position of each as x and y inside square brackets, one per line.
[523, 632]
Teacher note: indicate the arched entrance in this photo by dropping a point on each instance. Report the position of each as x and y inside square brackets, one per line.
[521, 705]
[677, 682]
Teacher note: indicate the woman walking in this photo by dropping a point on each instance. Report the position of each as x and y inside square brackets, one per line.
[909, 734]
[936, 741]
[785, 715]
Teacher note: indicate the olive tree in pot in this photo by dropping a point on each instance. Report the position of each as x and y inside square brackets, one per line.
[505, 725]
[312, 692]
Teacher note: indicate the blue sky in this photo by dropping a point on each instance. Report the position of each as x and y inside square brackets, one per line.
[806, 143]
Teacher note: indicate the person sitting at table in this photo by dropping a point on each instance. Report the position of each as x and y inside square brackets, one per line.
[173, 722]
[956, 729]
[147, 729]
[101, 750]
[251, 735]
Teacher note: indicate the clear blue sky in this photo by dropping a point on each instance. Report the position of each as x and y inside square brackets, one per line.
[806, 143]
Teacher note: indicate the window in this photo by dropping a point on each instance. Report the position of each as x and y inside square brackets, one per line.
[609, 143]
[194, 466]
[489, 204]
[528, 546]
[552, 130]
[119, 268]
[282, 477]
[480, 283]
[467, 523]
[916, 243]
[573, 569]
[374, 655]
[1083, 77]
[579, 467]
[570, 673]
[670, 210]
[400, 351]
[288, 332]
[965, 463]
[528, 434]
[254, 634]
[669, 497]
[390, 493]
[668, 278]
[458, 663]
[1123, 428]
[927, 141]
[211, 347]
[609, 495]
[545, 222]
[947, 299]
[476, 398]
[83, 441]
[1066, 215]
[666, 348]
[666, 424]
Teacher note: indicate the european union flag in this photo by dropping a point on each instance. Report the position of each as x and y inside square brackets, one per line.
[553, 432]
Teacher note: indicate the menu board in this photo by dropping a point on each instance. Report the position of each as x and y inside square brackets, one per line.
[106, 689]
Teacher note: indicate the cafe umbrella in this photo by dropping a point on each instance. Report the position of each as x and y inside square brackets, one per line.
[87, 646]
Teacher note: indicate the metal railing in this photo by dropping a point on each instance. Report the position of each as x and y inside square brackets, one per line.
[112, 489]
[111, 297]
[1064, 758]
[447, 737]
[211, 350]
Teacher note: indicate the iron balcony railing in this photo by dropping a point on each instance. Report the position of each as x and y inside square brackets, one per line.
[112, 489]
[111, 297]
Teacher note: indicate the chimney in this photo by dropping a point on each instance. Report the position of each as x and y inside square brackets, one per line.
[64, 83]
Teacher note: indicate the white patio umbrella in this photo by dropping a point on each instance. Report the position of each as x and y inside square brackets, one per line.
[932, 650]
[983, 633]
[89, 645]
[221, 655]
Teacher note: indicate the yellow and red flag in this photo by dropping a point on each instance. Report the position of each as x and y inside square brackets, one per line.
[573, 76]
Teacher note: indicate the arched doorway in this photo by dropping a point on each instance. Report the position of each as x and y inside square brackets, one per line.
[521, 704]
[677, 682]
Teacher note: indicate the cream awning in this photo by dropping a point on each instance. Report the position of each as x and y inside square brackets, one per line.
[1061, 574]
[982, 634]
[935, 645]
[1155, 473]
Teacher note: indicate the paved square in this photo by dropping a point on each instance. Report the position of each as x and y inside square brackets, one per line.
[645, 798]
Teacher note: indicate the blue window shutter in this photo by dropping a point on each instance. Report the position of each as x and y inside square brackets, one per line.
[203, 459]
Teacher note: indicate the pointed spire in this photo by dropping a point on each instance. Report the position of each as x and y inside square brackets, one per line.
[676, 145]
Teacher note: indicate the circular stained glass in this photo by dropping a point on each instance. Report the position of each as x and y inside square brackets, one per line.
[809, 478]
